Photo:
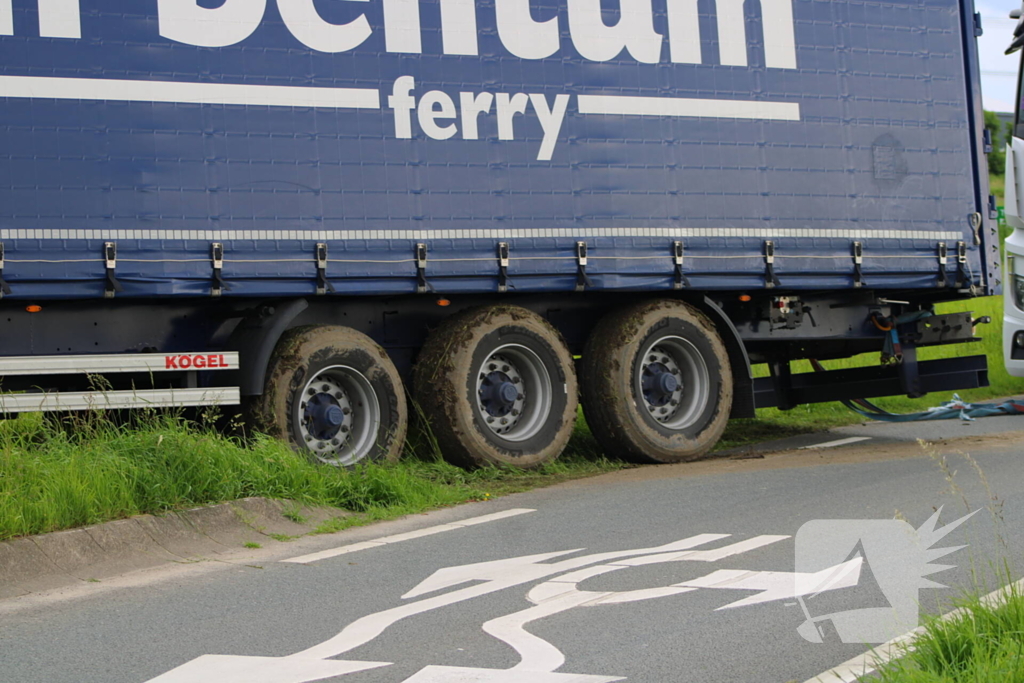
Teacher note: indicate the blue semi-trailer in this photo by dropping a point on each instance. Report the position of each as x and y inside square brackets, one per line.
[302, 207]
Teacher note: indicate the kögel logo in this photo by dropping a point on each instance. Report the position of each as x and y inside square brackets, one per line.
[197, 361]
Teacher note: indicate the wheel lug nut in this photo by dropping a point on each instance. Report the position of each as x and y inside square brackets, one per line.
[504, 368]
[492, 367]
[515, 412]
[490, 420]
[309, 438]
[504, 421]
[344, 429]
[346, 410]
[520, 397]
[334, 442]
[515, 380]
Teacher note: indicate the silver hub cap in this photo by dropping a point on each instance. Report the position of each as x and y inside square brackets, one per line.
[513, 392]
[338, 416]
[673, 382]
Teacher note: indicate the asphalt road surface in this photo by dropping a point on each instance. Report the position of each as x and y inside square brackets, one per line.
[721, 571]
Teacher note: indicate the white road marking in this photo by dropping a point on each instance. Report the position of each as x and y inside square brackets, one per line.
[237, 669]
[706, 555]
[862, 665]
[495, 576]
[398, 538]
[780, 585]
[455, 674]
[536, 654]
[837, 442]
[560, 594]
[538, 658]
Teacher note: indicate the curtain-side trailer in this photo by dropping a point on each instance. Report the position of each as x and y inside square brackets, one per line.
[508, 207]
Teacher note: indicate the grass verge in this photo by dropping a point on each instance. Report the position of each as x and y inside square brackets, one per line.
[51, 479]
[981, 643]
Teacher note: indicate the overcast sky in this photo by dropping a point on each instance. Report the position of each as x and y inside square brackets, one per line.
[998, 72]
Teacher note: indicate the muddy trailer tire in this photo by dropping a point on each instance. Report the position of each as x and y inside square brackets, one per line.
[656, 383]
[334, 395]
[497, 386]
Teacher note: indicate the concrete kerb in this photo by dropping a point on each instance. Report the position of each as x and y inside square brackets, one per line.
[65, 558]
[24, 568]
[177, 536]
[74, 551]
[126, 546]
[268, 516]
[225, 525]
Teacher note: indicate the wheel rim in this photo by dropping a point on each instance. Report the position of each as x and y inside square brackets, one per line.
[673, 382]
[513, 392]
[338, 416]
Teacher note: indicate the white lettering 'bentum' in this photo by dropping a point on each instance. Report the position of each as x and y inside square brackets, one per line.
[186, 21]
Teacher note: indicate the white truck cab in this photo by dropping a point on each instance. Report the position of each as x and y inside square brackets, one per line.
[1013, 299]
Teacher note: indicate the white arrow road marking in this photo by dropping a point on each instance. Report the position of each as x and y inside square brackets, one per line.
[706, 555]
[781, 585]
[561, 594]
[483, 571]
[408, 536]
[454, 674]
[539, 658]
[232, 669]
[537, 654]
[496, 576]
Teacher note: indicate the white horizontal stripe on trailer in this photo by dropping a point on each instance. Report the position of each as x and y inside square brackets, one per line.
[115, 400]
[521, 233]
[111, 363]
[398, 538]
[689, 107]
[123, 90]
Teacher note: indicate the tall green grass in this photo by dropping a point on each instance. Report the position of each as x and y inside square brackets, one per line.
[57, 478]
[980, 644]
